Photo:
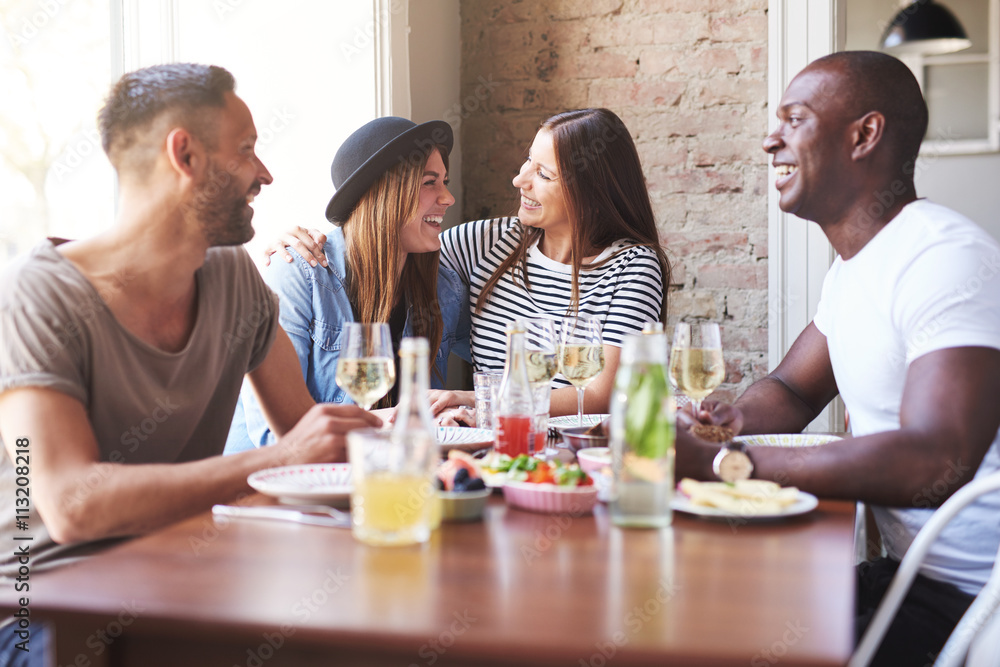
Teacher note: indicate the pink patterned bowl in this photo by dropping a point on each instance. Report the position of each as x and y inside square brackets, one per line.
[549, 498]
[593, 459]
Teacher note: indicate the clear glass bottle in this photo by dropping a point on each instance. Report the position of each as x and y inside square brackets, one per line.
[643, 428]
[514, 406]
[414, 425]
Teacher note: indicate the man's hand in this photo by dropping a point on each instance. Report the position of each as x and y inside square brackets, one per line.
[320, 434]
[308, 243]
[713, 413]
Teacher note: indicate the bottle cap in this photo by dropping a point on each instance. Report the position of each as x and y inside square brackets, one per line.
[517, 325]
[415, 345]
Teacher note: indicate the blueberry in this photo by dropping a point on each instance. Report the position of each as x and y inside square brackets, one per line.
[461, 477]
[475, 485]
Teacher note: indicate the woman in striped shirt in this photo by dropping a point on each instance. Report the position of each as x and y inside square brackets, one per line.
[584, 241]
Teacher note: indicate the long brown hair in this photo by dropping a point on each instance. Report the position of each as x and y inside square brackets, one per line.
[372, 238]
[606, 198]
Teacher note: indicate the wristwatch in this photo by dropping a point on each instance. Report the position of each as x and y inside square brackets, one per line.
[732, 463]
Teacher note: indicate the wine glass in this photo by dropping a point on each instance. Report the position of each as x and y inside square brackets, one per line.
[696, 366]
[540, 343]
[581, 354]
[540, 349]
[365, 369]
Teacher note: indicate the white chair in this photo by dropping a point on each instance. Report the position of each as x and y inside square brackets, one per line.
[980, 615]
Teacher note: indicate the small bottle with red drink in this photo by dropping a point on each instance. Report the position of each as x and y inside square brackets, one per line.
[514, 408]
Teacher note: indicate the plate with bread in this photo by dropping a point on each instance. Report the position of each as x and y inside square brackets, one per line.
[750, 500]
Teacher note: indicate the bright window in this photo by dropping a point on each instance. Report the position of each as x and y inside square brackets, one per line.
[306, 69]
[55, 68]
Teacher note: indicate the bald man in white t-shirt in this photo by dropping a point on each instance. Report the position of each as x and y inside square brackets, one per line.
[907, 332]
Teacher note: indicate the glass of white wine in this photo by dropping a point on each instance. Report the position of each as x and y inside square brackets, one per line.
[540, 342]
[580, 354]
[365, 368]
[696, 365]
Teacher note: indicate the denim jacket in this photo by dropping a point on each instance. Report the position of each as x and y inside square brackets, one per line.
[313, 309]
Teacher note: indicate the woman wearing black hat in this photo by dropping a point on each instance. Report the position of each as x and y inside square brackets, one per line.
[584, 241]
[380, 262]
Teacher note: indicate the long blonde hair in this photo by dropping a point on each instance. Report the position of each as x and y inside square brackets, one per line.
[372, 236]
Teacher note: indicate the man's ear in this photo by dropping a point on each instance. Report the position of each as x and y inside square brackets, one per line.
[866, 134]
[186, 154]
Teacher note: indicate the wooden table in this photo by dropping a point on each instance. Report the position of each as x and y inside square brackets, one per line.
[517, 588]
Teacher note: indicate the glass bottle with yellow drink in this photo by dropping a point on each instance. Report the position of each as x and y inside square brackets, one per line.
[394, 501]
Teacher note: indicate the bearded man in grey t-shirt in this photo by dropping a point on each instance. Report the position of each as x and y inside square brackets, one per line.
[122, 355]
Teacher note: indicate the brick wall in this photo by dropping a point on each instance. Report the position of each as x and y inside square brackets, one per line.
[688, 77]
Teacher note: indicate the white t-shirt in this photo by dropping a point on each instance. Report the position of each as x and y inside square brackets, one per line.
[624, 293]
[929, 280]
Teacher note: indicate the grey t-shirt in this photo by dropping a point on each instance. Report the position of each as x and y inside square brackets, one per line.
[145, 405]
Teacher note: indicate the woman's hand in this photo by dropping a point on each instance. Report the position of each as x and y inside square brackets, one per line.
[308, 243]
[461, 416]
[442, 399]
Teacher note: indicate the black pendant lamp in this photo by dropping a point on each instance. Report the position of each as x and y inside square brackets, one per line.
[924, 27]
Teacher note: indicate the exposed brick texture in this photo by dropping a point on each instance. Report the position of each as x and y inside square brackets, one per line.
[688, 77]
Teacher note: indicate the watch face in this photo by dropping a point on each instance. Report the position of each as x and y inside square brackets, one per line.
[734, 466]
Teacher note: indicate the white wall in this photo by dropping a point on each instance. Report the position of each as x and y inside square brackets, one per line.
[308, 76]
[435, 94]
[966, 183]
[435, 61]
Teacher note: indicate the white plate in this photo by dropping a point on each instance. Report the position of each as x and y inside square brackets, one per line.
[807, 502]
[786, 439]
[569, 421]
[313, 483]
[462, 437]
[494, 480]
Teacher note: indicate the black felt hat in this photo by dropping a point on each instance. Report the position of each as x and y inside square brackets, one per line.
[375, 148]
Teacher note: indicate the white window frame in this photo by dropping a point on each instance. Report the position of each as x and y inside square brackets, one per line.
[144, 32]
[799, 254]
[918, 65]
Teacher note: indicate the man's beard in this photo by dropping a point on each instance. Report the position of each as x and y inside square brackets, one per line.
[222, 209]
